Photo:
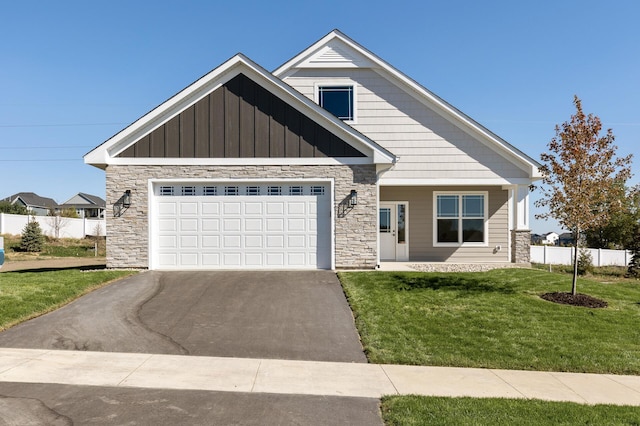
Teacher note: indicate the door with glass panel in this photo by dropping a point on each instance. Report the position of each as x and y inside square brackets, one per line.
[394, 231]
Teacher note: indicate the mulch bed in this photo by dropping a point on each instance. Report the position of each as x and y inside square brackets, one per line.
[583, 300]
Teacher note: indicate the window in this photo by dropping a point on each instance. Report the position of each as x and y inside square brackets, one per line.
[210, 190]
[188, 190]
[295, 190]
[253, 190]
[460, 219]
[230, 190]
[166, 190]
[274, 190]
[338, 100]
[317, 190]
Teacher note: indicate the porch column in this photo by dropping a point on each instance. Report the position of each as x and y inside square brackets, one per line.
[521, 233]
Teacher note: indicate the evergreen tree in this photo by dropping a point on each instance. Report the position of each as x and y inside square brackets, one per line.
[32, 239]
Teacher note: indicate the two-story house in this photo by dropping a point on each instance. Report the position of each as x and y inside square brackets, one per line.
[334, 160]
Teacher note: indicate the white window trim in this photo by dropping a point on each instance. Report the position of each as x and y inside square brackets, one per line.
[485, 243]
[339, 82]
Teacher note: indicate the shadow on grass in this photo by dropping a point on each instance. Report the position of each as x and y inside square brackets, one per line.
[453, 282]
[64, 268]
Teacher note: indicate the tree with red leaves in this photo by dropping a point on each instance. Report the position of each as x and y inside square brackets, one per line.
[583, 180]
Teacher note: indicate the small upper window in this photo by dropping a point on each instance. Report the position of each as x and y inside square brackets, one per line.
[338, 100]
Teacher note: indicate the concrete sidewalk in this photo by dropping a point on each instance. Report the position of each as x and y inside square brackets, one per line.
[130, 370]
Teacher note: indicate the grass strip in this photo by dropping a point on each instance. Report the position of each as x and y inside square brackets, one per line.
[438, 411]
[26, 295]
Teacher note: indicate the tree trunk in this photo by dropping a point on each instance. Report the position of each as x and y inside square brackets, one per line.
[574, 284]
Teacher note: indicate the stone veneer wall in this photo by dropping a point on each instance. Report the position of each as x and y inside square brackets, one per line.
[355, 231]
[521, 246]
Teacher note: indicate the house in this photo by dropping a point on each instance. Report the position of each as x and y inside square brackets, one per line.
[565, 239]
[550, 238]
[35, 204]
[86, 205]
[334, 160]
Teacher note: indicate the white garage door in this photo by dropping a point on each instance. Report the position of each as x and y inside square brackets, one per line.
[260, 226]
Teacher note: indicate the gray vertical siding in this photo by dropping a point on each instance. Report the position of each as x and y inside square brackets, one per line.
[241, 119]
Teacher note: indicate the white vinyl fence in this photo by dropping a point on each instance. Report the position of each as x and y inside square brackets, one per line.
[53, 226]
[564, 256]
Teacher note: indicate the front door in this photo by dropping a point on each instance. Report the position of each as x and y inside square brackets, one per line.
[394, 235]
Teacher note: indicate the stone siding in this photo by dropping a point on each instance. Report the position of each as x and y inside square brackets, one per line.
[355, 228]
[521, 246]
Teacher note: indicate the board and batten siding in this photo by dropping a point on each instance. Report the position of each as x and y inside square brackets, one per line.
[428, 145]
[241, 119]
[421, 216]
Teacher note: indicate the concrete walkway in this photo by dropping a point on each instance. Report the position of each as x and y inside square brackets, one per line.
[130, 370]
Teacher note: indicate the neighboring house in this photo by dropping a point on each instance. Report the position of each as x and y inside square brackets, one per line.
[565, 239]
[86, 205]
[550, 238]
[35, 204]
[334, 160]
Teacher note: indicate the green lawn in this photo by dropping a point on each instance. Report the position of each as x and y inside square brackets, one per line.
[25, 295]
[419, 410]
[494, 319]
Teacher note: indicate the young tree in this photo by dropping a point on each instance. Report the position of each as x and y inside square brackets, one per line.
[584, 181]
[32, 239]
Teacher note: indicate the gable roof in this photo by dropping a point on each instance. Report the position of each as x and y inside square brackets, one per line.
[31, 199]
[90, 201]
[108, 152]
[336, 50]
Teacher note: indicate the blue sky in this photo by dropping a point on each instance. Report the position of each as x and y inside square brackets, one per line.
[73, 73]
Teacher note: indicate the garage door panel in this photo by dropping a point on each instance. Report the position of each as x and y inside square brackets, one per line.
[297, 241]
[231, 241]
[189, 241]
[210, 259]
[253, 208]
[188, 208]
[253, 225]
[188, 225]
[188, 259]
[232, 207]
[232, 259]
[221, 229]
[296, 224]
[210, 241]
[253, 241]
[210, 209]
[231, 225]
[210, 225]
[167, 208]
[274, 241]
[275, 225]
[167, 225]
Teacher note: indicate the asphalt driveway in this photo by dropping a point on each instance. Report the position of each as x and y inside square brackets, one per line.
[259, 314]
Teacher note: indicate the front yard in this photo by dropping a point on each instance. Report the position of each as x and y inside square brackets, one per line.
[494, 320]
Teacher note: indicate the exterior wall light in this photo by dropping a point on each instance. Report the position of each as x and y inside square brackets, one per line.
[126, 199]
[353, 198]
[122, 204]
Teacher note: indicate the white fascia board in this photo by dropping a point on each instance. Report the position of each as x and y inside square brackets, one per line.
[453, 182]
[298, 161]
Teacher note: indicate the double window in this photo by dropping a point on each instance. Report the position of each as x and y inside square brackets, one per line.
[460, 219]
[338, 100]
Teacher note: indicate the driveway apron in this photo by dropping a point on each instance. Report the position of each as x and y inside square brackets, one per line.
[299, 315]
